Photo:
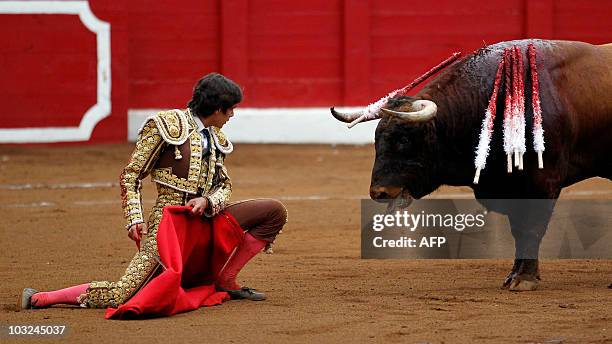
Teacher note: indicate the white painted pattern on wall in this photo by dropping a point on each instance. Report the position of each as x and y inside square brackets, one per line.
[98, 111]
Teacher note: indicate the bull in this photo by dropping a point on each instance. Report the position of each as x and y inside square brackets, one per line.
[428, 140]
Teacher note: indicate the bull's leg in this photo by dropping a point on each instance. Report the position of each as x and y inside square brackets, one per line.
[528, 220]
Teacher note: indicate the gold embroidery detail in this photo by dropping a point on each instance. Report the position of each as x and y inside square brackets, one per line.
[174, 131]
[102, 294]
[173, 126]
[147, 150]
[219, 196]
[165, 176]
[177, 153]
[221, 141]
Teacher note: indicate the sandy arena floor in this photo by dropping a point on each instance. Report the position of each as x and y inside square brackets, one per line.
[57, 232]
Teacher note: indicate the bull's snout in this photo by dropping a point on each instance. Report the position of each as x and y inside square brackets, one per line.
[384, 192]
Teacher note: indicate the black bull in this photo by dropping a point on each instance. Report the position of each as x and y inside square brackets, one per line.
[415, 158]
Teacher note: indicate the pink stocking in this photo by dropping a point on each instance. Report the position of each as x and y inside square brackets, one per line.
[65, 296]
[248, 248]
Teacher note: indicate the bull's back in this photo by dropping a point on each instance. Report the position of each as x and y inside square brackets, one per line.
[582, 74]
[582, 77]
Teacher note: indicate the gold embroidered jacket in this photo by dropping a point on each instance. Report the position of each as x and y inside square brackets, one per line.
[170, 149]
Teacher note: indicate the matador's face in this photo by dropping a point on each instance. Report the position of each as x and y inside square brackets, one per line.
[219, 118]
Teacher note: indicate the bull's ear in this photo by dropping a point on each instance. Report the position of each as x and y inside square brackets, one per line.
[425, 110]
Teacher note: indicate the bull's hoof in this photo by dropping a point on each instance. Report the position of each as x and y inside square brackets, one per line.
[525, 276]
[516, 282]
[523, 285]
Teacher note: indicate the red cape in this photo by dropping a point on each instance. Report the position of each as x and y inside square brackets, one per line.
[194, 251]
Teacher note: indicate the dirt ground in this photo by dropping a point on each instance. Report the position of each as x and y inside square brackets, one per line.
[61, 224]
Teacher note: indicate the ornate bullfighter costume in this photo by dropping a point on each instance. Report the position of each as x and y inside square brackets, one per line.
[185, 160]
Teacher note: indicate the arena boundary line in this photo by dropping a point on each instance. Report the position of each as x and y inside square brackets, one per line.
[313, 198]
[102, 185]
[28, 186]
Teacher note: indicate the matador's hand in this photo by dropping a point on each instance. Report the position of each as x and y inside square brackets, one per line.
[137, 230]
[199, 205]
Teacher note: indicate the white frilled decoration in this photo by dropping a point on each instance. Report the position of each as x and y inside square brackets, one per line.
[511, 66]
[508, 108]
[482, 152]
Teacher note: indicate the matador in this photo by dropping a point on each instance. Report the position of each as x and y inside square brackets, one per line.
[184, 152]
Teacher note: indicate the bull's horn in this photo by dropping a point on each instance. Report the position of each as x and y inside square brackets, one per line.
[427, 111]
[353, 118]
[346, 117]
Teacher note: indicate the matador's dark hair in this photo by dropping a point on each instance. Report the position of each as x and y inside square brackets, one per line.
[214, 92]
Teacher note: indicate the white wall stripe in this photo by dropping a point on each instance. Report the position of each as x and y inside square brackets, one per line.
[279, 125]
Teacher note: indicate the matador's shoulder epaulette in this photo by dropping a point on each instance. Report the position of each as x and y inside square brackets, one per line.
[173, 126]
[221, 141]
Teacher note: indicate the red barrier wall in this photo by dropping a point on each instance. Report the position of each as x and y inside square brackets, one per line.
[284, 53]
[114, 127]
[170, 46]
[48, 76]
